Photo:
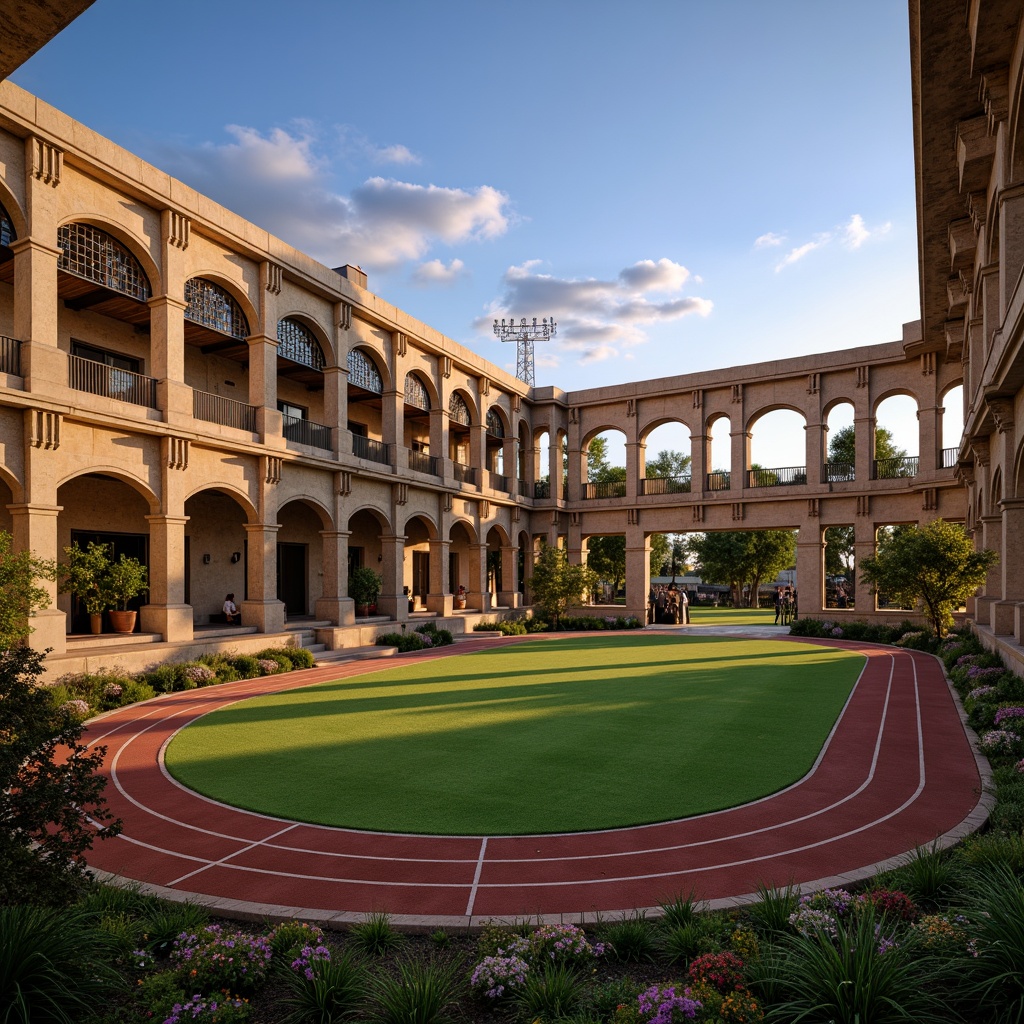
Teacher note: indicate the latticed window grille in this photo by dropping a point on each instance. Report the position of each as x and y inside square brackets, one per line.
[7, 234]
[363, 372]
[94, 255]
[494, 425]
[416, 393]
[458, 410]
[297, 343]
[210, 305]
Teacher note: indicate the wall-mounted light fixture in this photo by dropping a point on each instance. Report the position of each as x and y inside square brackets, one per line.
[207, 559]
[380, 558]
[236, 557]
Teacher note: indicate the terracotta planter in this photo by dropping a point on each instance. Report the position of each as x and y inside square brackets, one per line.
[122, 622]
[362, 610]
[459, 603]
[96, 623]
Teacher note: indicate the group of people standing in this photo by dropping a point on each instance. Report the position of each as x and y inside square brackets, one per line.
[668, 606]
[785, 605]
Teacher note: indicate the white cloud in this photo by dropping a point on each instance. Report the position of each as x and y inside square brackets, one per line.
[794, 255]
[280, 182]
[856, 232]
[356, 145]
[598, 318]
[436, 272]
[768, 240]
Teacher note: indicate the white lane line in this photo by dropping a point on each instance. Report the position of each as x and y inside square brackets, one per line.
[237, 853]
[476, 877]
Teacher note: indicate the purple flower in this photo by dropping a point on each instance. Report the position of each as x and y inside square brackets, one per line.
[1005, 713]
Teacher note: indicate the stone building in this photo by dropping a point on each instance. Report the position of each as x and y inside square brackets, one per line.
[182, 384]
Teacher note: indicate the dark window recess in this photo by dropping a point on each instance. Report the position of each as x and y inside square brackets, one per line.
[99, 355]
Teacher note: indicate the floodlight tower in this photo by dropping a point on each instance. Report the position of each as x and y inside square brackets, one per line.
[524, 335]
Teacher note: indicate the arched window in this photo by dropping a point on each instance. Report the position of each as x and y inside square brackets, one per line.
[7, 234]
[95, 256]
[458, 410]
[298, 343]
[494, 425]
[363, 372]
[210, 305]
[416, 393]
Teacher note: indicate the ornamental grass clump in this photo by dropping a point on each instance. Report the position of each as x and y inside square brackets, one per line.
[336, 991]
[417, 994]
[375, 936]
[633, 939]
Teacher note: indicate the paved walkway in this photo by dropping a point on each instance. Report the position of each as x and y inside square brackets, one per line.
[897, 771]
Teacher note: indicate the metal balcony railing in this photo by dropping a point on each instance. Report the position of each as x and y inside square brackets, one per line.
[225, 411]
[421, 462]
[542, 489]
[895, 469]
[303, 431]
[10, 356]
[100, 379]
[497, 481]
[605, 489]
[370, 449]
[665, 484]
[784, 477]
[718, 481]
[949, 456]
[464, 474]
[522, 486]
[839, 472]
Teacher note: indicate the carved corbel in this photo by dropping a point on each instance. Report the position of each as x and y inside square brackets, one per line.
[272, 468]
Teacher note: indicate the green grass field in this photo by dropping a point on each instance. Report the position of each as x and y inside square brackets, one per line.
[700, 616]
[548, 736]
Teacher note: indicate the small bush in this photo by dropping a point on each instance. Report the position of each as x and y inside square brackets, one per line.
[301, 658]
[405, 642]
[336, 991]
[278, 654]
[213, 960]
[293, 935]
[247, 666]
[632, 939]
[375, 935]
[419, 994]
[551, 992]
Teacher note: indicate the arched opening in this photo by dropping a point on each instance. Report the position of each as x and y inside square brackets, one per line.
[300, 556]
[10, 348]
[6, 498]
[525, 563]
[896, 440]
[365, 399]
[840, 567]
[841, 444]
[665, 467]
[604, 464]
[103, 509]
[606, 555]
[419, 532]
[216, 553]
[952, 425]
[365, 551]
[300, 385]
[461, 559]
[496, 431]
[778, 449]
[416, 419]
[719, 458]
[460, 419]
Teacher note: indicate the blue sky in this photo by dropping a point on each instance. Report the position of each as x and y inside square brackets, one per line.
[684, 185]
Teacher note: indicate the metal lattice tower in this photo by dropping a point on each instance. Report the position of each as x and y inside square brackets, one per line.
[524, 335]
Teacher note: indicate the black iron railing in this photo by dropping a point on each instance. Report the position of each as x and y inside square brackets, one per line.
[464, 474]
[605, 489]
[784, 477]
[718, 481]
[897, 468]
[522, 485]
[303, 431]
[100, 379]
[949, 457]
[371, 449]
[10, 356]
[542, 489]
[497, 481]
[839, 472]
[225, 411]
[421, 462]
[665, 484]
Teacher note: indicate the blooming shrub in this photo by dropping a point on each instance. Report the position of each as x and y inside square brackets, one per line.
[201, 675]
[980, 692]
[496, 976]
[944, 932]
[562, 944]
[76, 708]
[740, 1007]
[892, 904]
[837, 631]
[220, 1009]
[112, 691]
[723, 971]
[1019, 767]
[267, 666]
[291, 936]
[999, 741]
[909, 638]
[661, 1004]
[1005, 714]
[213, 960]
[309, 959]
[976, 672]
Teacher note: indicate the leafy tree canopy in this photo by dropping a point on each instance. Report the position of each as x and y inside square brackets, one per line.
[556, 584]
[599, 470]
[607, 557]
[668, 463]
[20, 592]
[935, 563]
[842, 446]
[742, 557]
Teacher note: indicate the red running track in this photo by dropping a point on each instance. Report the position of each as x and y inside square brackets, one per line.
[897, 771]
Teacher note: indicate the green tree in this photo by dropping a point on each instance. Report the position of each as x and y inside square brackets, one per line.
[556, 584]
[839, 551]
[607, 557]
[668, 463]
[935, 563]
[599, 470]
[50, 792]
[743, 557]
[661, 552]
[842, 447]
[20, 593]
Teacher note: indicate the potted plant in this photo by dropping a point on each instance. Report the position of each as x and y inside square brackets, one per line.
[126, 579]
[364, 587]
[84, 576]
[460, 597]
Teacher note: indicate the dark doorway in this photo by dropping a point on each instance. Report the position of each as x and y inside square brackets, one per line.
[133, 545]
[453, 572]
[420, 576]
[291, 578]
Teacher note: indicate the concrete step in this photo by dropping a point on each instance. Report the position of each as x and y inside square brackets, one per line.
[315, 649]
[208, 632]
[356, 654]
[306, 624]
[78, 642]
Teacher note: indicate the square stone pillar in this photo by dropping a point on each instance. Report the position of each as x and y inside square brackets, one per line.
[334, 604]
[508, 591]
[479, 596]
[392, 601]
[863, 547]
[638, 571]
[740, 459]
[700, 445]
[35, 530]
[864, 448]
[44, 366]
[261, 608]
[166, 612]
[636, 467]
[810, 571]
[815, 451]
[439, 600]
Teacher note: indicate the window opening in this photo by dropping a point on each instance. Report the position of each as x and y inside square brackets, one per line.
[95, 256]
[211, 306]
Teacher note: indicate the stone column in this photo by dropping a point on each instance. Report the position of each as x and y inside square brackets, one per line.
[577, 474]
[166, 612]
[508, 590]
[810, 571]
[636, 467]
[992, 591]
[392, 422]
[392, 601]
[739, 458]
[440, 600]
[335, 605]
[510, 463]
[479, 596]
[478, 451]
[336, 408]
[815, 451]
[555, 464]
[263, 389]
[863, 547]
[1011, 243]
[35, 529]
[44, 366]
[439, 441]
[699, 461]
[167, 359]
[929, 419]
[864, 448]
[638, 571]
[261, 608]
[1011, 567]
